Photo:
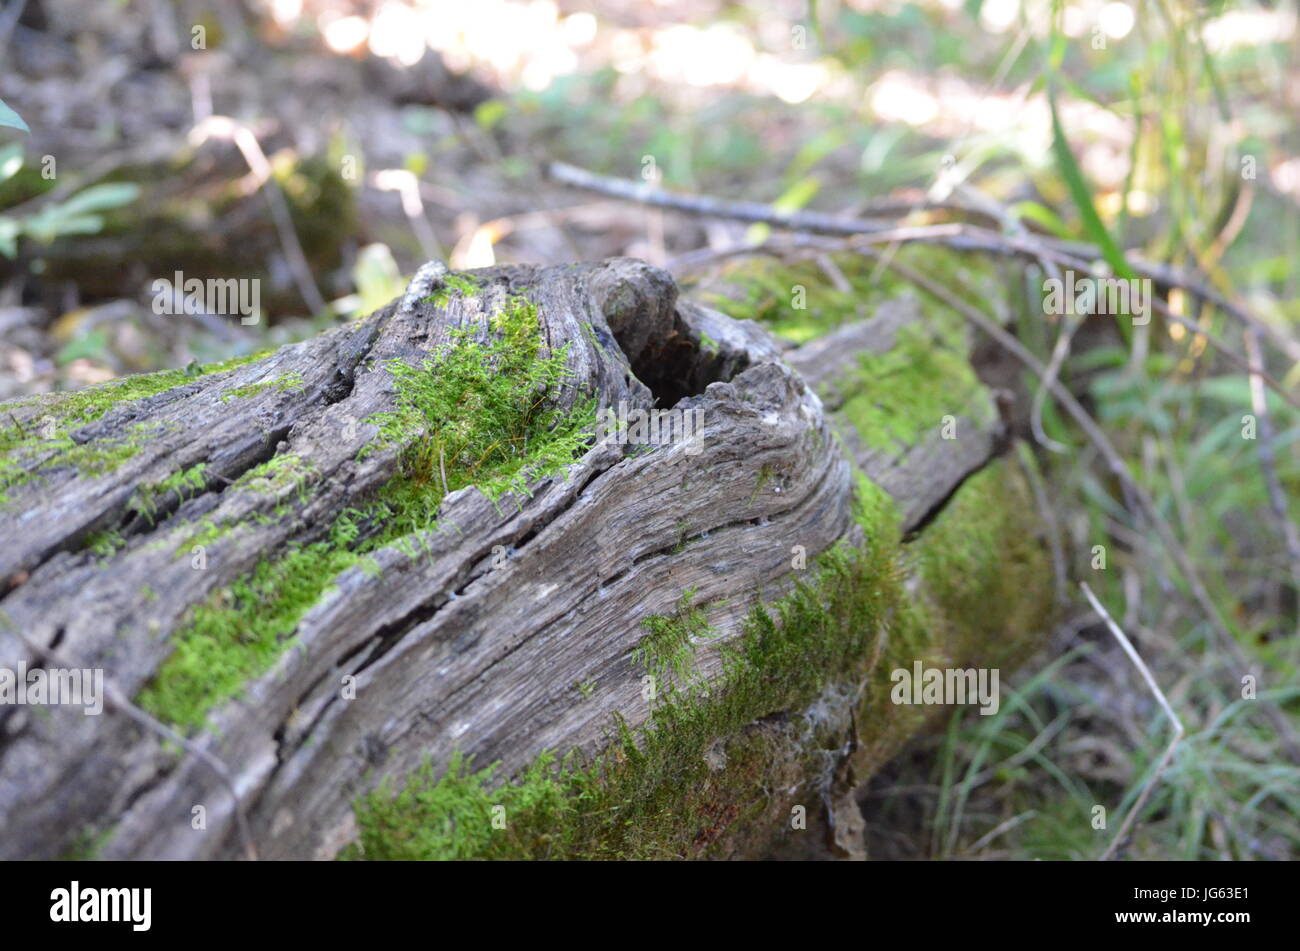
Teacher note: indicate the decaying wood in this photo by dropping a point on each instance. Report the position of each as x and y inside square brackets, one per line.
[457, 649]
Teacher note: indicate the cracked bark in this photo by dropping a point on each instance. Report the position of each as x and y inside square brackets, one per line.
[449, 651]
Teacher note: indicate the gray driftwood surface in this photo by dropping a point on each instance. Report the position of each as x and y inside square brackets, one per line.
[449, 650]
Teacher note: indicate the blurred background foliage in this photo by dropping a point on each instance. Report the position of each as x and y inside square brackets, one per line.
[364, 136]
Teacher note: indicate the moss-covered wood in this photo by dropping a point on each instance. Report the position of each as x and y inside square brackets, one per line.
[382, 573]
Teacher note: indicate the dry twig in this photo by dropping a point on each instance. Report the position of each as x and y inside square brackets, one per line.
[1165, 759]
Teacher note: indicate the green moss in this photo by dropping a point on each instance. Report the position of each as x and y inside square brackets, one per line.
[285, 383]
[288, 470]
[105, 543]
[45, 443]
[242, 630]
[532, 815]
[185, 482]
[795, 301]
[207, 532]
[667, 652]
[895, 398]
[480, 412]
[590, 333]
[322, 206]
[453, 284]
[800, 302]
[181, 484]
[765, 474]
[983, 551]
[85, 845]
[652, 793]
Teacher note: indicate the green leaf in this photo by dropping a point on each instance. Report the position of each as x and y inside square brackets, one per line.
[100, 198]
[12, 119]
[377, 278]
[93, 345]
[797, 195]
[1082, 196]
[76, 215]
[1040, 215]
[488, 114]
[50, 223]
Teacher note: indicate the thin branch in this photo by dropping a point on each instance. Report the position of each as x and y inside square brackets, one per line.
[755, 212]
[1048, 515]
[1163, 764]
[999, 830]
[1267, 457]
[116, 699]
[820, 223]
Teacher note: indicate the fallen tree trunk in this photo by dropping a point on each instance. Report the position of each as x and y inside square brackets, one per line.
[445, 530]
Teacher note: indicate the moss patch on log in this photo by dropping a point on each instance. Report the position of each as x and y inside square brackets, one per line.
[47, 441]
[893, 398]
[480, 412]
[483, 412]
[667, 652]
[715, 770]
[652, 792]
[800, 301]
[179, 485]
[453, 285]
[282, 384]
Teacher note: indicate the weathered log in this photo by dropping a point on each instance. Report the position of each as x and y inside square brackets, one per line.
[294, 561]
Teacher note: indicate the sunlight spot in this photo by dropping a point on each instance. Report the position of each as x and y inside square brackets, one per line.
[997, 16]
[345, 34]
[396, 32]
[1249, 28]
[579, 29]
[286, 12]
[1116, 20]
[897, 97]
[1286, 176]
